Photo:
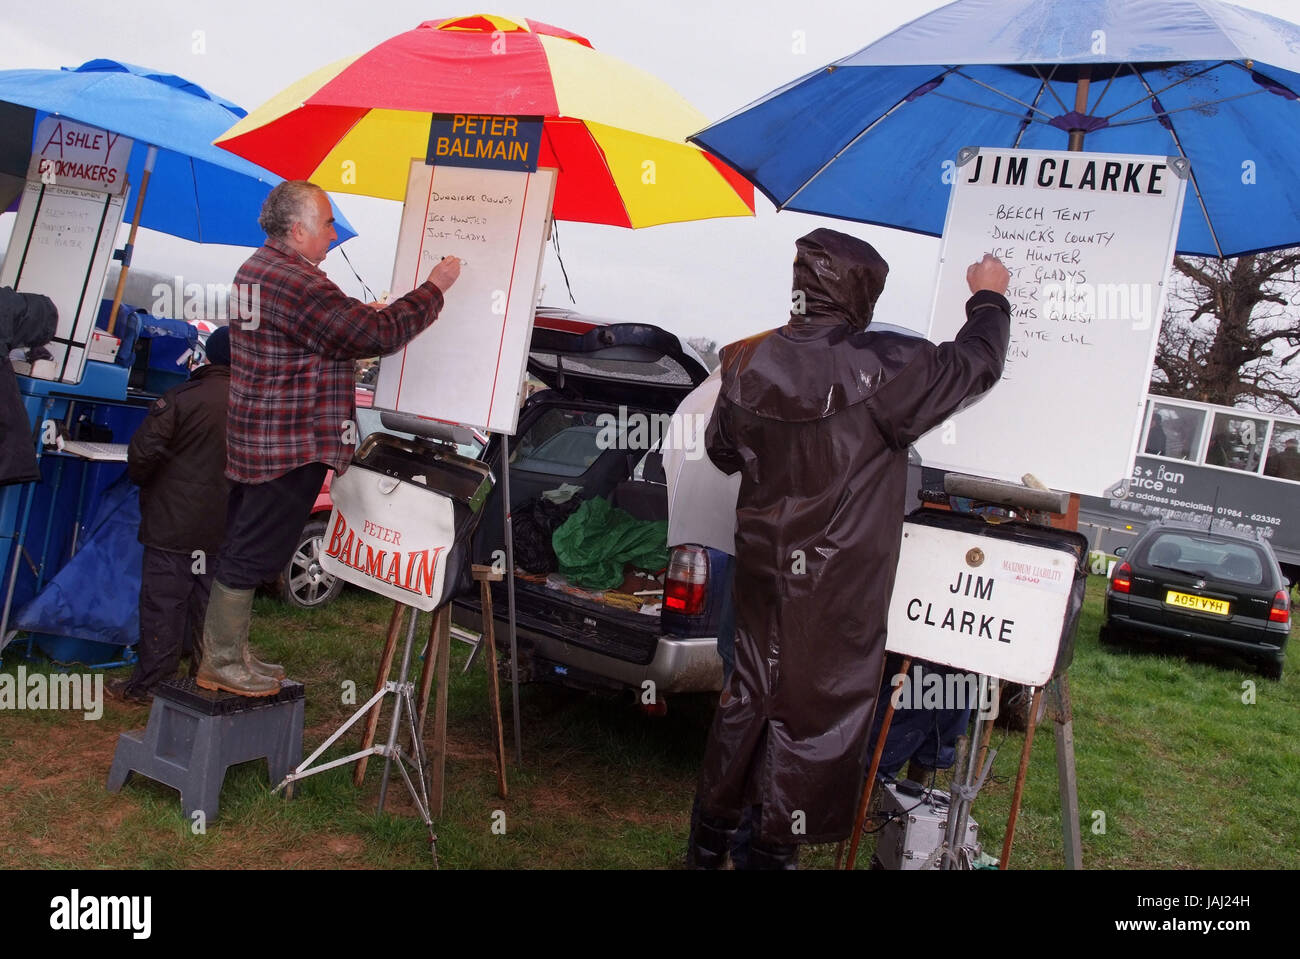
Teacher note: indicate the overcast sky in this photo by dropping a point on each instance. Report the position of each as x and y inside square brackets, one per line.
[724, 279]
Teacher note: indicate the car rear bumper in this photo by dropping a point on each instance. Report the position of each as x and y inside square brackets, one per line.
[1138, 616]
[678, 666]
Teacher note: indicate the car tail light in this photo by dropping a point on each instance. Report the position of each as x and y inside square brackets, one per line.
[686, 587]
[1281, 611]
[1120, 582]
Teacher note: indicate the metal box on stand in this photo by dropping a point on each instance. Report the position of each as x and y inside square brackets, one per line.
[914, 836]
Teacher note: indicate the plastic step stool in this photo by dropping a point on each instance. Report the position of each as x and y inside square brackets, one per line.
[194, 735]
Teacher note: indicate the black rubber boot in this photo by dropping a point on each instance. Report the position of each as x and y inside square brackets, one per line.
[708, 848]
[764, 856]
[274, 670]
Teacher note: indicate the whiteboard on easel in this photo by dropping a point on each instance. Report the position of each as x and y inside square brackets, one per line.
[60, 246]
[468, 367]
[1089, 239]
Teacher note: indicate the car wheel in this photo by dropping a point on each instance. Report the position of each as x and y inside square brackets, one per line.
[303, 583]
[1270, 669]
[1107, 636]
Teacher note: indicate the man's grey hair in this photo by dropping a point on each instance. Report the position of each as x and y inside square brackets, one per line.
[288, 203]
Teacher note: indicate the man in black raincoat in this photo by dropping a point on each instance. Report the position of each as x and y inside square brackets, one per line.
[817, 417]
[26, 319]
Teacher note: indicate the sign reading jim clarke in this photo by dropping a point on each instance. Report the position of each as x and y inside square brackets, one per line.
[990, 605]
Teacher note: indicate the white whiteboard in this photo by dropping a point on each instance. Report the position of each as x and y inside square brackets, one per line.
[469, 366]
[1088, 238]
[60, 246]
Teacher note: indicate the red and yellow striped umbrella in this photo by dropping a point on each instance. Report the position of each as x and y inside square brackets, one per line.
[615, 133]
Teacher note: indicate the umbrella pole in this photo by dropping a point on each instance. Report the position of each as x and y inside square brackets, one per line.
[510, 593]
[150, 158]
[1080, 106]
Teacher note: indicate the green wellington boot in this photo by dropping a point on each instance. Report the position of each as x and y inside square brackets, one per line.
[274, 670]
[225, 664]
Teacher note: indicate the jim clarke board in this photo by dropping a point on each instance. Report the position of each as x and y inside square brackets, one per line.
[986, 603]
[1089, 239]
[468, 368]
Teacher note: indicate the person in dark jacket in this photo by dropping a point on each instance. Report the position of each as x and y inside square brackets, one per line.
[26, 320]
[817, 417]
[178, 459]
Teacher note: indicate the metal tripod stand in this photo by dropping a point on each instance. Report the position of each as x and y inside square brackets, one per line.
[404, 692]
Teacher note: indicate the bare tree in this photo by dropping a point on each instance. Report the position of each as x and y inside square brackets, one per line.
[708, 350]
[1232, 333]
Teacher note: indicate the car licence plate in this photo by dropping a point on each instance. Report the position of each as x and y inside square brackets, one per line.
[1201, 604]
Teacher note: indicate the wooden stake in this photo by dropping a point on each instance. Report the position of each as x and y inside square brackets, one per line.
[1020, 778]
[486, 576]
[871, 778]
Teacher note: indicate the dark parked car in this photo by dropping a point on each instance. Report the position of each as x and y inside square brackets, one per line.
[1183, 583]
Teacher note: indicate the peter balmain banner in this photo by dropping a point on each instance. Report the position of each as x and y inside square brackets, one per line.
[390, 537]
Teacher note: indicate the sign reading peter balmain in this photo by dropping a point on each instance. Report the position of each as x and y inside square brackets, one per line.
[389, 536]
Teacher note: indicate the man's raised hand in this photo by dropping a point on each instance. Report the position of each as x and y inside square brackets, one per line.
[445, 272]
[988, 274]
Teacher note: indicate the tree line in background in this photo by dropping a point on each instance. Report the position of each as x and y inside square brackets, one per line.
[708, 350]
[1231, 333]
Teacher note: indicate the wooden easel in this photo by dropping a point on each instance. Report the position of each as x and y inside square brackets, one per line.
[1029, 499]
[437, 657]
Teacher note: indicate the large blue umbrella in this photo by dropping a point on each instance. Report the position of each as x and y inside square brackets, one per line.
[197, 191]
[866, 138]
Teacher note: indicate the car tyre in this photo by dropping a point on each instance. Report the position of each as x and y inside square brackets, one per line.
[1270, 669]
[1108, 636]
[303, 583]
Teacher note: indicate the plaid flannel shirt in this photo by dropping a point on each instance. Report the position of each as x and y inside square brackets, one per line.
[291, 371]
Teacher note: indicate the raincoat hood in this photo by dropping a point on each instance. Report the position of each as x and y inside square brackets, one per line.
[824, 360]
[840, 278]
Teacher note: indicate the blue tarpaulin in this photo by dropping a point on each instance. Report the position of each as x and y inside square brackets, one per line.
[95, 596]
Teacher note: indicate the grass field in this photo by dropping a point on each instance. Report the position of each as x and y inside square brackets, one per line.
[1175, 771]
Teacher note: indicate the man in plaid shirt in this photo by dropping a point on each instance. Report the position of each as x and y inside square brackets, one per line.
[292, 410]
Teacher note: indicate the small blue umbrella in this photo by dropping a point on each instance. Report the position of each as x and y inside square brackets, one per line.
[196, 191]
[866, 138]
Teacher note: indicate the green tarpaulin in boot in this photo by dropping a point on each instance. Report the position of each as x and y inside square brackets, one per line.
[595, 542]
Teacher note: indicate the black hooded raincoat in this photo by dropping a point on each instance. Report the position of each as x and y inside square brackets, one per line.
[26, 320]
[817, 417]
